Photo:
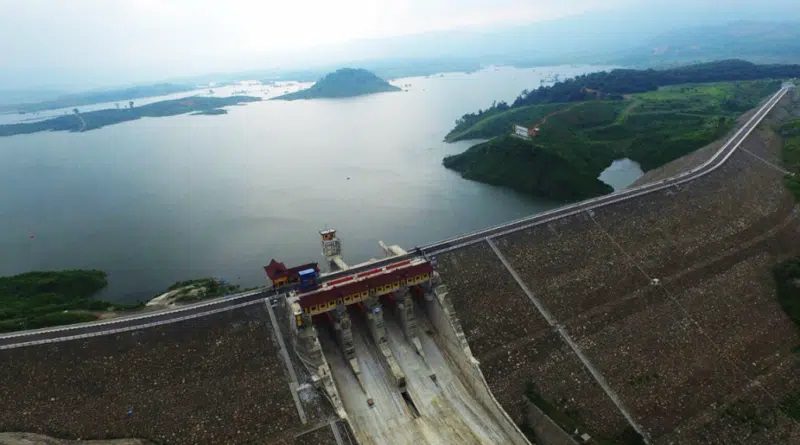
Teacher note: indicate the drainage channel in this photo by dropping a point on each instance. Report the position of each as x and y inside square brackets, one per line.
[410, 404]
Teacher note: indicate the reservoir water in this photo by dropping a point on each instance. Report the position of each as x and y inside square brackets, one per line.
[158, 200]
[621, 173]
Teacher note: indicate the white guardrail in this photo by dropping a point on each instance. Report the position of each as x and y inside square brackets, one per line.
[142, 316]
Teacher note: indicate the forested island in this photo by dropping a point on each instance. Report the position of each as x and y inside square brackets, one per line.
[78, 121]
[649, 116]
[345, 82]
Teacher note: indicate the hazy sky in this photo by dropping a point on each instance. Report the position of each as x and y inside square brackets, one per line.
[66, 42]
[182, 36]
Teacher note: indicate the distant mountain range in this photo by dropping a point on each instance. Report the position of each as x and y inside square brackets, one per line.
[759, 42]
[345, 82]
[627, 38]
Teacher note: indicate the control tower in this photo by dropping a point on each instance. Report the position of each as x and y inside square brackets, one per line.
[332, 250]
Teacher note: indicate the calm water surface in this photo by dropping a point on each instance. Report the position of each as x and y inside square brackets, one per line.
[621, 173]
[158, 200]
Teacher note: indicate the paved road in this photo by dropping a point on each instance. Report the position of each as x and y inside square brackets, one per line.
[131, 322]
[155, 318]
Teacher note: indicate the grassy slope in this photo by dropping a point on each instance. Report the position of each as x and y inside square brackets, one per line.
[651, 128]
[39, 299]
[496, 124]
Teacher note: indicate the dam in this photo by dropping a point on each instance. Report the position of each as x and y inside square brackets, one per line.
[646, 316]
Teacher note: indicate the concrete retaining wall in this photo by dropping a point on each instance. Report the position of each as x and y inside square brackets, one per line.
[451, 339]
[546, 430]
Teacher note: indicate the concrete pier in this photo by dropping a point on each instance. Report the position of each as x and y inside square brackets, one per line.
[309, 350]
[405, 306]
[343, 327]
[377, 330]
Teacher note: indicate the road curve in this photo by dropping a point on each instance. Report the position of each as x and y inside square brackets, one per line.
[155, 318]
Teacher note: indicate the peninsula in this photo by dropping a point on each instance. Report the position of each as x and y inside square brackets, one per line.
[578, 127]
[345, 82]
[51, 298]
[78, 121]
[100, 96]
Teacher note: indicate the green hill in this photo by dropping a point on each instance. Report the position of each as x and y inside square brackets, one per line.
[613, 85]
[512, 162]
[345, 82]
[579, 140]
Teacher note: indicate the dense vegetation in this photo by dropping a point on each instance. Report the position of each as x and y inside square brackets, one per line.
[614, 84]
[96, 119]
[345, 82]
[95, 97]
[578, 140]
[515, 163]
[791, 155]
[490, 124]
[39, 299]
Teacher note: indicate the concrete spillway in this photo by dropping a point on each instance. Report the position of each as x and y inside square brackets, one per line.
[437, 405]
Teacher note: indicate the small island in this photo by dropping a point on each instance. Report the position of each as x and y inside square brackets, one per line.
[345, 82]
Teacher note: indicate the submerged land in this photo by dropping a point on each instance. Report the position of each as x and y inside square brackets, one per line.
[78, 121]
[649, 116]
[345, 82]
